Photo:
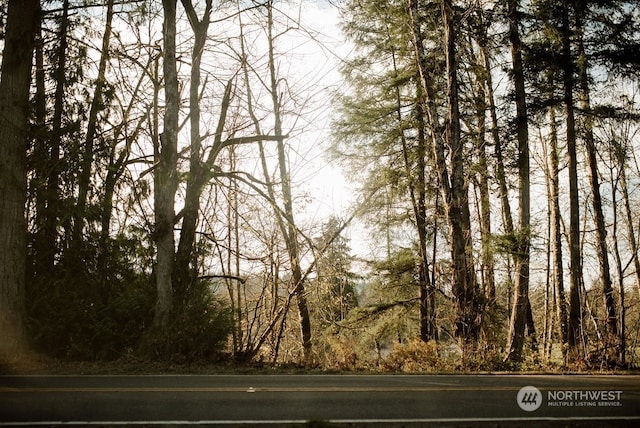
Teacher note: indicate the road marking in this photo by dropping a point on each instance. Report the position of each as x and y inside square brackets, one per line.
[245, 389]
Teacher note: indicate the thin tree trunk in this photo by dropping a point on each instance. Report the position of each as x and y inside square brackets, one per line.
[615, 180]
[291, 236]
[53, 210]
[500, 175]
[274, 313]
[116, 168]
[84, 179]
[575, 257]
[22, 24]
[417, 182]
[558, 269]
[483, 73]
[629, 215]
[521, 295]
[611, 321]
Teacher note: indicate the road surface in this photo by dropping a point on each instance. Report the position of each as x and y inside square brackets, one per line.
[235, 400]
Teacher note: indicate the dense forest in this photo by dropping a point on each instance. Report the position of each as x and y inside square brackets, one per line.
[161, 198]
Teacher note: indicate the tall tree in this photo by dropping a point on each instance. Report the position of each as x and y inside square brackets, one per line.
[97, 104]
[576, 331]
[454, 189]
[611, 322]
[197, 172]
[291, 233]
[15, 80]
[556, 219]
[166, 175]
[521, 305]
[50, 169]
[416, 172]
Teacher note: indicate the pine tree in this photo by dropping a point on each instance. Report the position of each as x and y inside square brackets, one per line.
[15, 80]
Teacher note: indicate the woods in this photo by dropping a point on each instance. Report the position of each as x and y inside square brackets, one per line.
[163, 193]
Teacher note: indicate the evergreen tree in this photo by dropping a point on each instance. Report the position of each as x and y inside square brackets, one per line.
[15, 79]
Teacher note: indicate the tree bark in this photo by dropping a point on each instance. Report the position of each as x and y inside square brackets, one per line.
[465, 288]
[575, 332]
[556, 217]
[196, 178]
[500, 175]
[482, 74]
[166, 176]
[15, 80]
[521, 303]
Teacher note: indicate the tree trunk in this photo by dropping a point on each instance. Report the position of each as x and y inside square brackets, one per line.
[196, 178]
[521, 294]
[483, 79]
[465, 288]
[22, 24]
[291, 235]
[611, 321]
[615, 180]
[42, 262]
[500, 175]
[49, 241]
[452, 184]
[166, 176]
[84, 179]
[622, 162]
[575, 333]
[556, 217]
[417, 182]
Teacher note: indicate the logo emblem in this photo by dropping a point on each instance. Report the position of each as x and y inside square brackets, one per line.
[529, 398]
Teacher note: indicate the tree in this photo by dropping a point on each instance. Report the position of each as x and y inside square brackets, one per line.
[611, 321]
[384, 130]
[97, 104]
[15, 80]
[521, 304]
[335, 290]
[289, 232]
[166, 176]
[576, 330]
[454, 190]
[197, 177]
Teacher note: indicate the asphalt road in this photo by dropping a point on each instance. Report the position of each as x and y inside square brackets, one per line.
[294, 399]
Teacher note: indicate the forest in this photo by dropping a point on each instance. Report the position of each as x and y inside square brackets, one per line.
[398, 185]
